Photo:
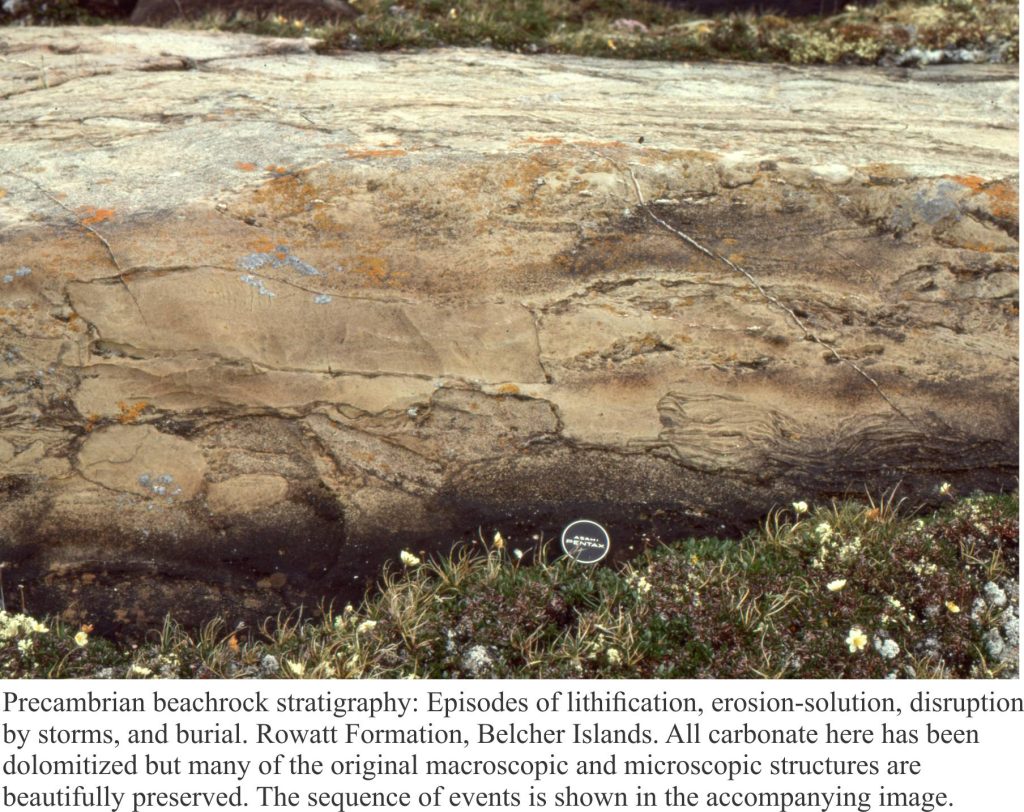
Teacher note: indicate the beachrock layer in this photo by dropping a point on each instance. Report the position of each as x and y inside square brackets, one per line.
[268, 317]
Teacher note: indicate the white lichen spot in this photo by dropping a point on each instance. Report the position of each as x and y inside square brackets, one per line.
[994, 594]
[477, 661]
[887, 648]
[256, 282]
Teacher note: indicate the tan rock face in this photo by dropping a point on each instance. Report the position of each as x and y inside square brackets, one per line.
[249, 493]
[142, 460]
[268, 320]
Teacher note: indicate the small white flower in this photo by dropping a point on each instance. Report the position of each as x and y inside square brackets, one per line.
[499, 541]
[408, 558]
[945, 488]
[614, 656]
[952, 608]
[800, 508]
[298, 669]
[835, 586]
[24, 646]
[823, 531]
[366, 626]
[518, 554]
[82, 639]
[856, 639]
[141, 670]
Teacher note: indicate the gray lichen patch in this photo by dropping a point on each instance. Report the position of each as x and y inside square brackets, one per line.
[280, 257]
[258, 284]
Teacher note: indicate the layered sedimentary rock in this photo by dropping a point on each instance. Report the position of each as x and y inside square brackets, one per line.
[268, 317]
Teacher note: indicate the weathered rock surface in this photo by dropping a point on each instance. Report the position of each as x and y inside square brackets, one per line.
[267, 317]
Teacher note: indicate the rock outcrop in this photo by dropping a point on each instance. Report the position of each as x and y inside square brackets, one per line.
[268, 317]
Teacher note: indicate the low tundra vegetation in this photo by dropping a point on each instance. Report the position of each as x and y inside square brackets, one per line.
[846, 590]
[894, 31]
[904, 32]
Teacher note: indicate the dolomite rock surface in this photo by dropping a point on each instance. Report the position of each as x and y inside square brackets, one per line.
[268, 317]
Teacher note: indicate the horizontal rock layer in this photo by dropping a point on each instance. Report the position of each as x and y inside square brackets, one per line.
[268, 317]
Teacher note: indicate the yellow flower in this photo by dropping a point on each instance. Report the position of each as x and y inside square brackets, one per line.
[298, 669]
[141, 670]
[408, 558]
[945, 488]
[82, 638]
[835, 586]
[856, 639]
[611, 44]
[952, 607]
[800, 508]
[499, 541]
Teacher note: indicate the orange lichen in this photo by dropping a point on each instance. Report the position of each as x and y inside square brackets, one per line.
[972, 182]
[245, 166]
[375, 153]
[546, 142]
[91, 421]
[980, 247]
[90, 216]
[263, 245]
[286, 195]
[276, 169]
[1002, 197]
[375, 269]
[508, 389]
[526, 174]
[130, 412]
